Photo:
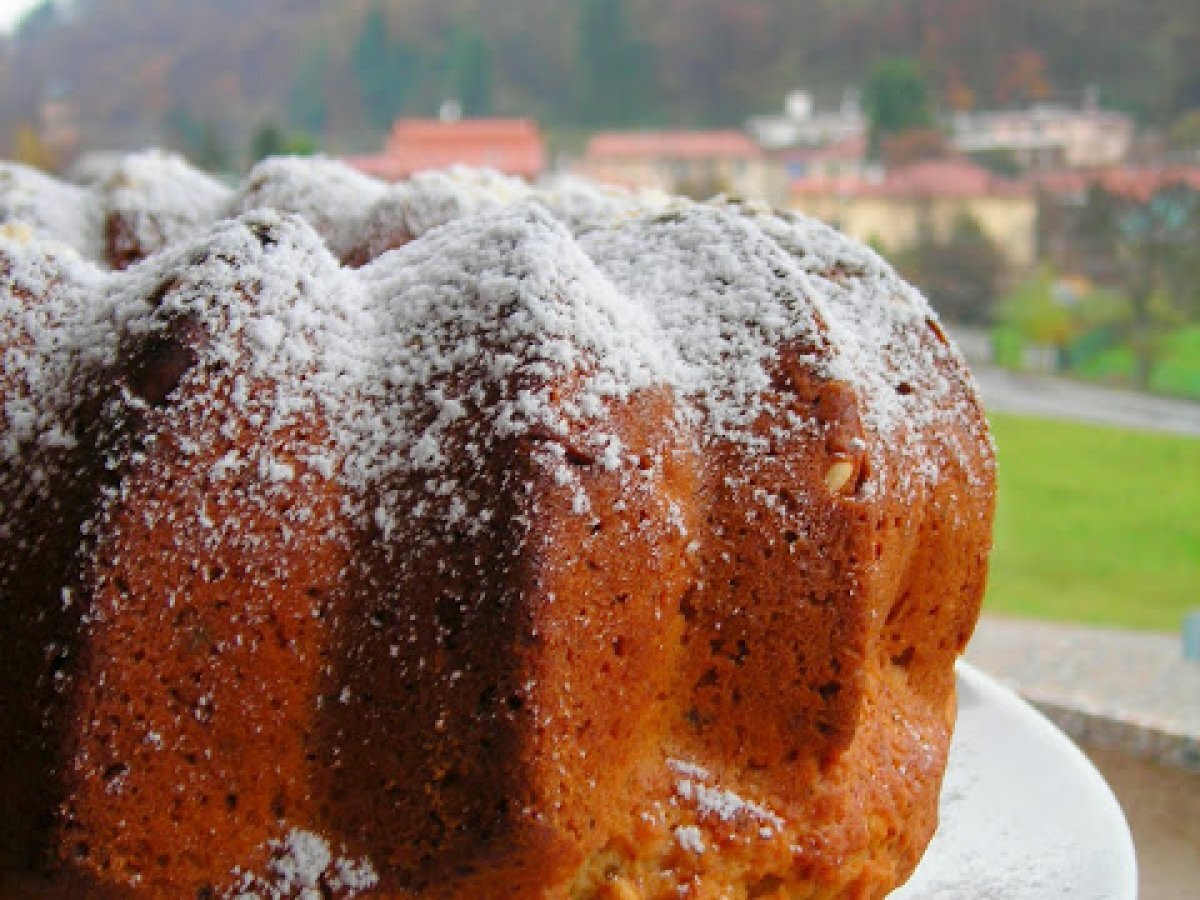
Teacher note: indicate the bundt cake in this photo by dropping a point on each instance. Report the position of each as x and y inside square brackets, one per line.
[127, 209]
[566, 545]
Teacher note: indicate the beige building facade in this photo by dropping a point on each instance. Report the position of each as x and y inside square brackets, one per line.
[700, 163]
[1048, 136]
[926, 201]
[894, 223]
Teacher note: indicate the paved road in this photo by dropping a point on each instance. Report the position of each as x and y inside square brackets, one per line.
[1038, 395]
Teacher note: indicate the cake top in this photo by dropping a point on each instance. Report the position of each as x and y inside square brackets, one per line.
[152, 200]
[631, 292]
[51, 208]
[329, 195]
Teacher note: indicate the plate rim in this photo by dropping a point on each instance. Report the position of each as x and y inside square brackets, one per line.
[1002, 703]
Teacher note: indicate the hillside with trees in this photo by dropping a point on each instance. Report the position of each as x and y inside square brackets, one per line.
[215, 75]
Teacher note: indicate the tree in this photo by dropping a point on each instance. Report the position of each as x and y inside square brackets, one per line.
[1151, 250]
[183, 132]
[1034, 312]
[999, 161]
[269, 140]
[470, 68]
[611, 65]
[896, 99]
[907, 147]
[200, 141]
[1184, 137]
[1024, 78]
[957, 94]
[1160, 248]
[703, 186]
[388, 71]
[370, 68]
[212, 153]
[308, 108]
[961, 274]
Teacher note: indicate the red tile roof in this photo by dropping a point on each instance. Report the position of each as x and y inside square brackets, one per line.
[512, 146]
[932, 178]
[620, 145]
[841, 185]
[945, 178]
[1134, 183]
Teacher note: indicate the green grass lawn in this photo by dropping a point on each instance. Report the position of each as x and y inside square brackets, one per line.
[1095, 525]
[1177, 371]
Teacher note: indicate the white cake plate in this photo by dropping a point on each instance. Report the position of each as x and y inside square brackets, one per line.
[1024, 814]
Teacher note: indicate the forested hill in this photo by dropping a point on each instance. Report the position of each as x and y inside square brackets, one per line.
[140, 70]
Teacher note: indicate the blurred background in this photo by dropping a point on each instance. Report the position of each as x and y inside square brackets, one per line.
[1034, 167]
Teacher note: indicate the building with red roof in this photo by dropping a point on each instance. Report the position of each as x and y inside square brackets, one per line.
[1136, 183]
[944, 178]
[844, 160]
[512, 146]
[926, 200]
[693, 162]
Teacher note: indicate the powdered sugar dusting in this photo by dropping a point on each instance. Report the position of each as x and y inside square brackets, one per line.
[694, 786]
[329, 195]
[302, 865]
[690, 838]
[584, 206]
[161, 199]
[273, 306]
[721, 286]
[53, 209]
[724, 297]
[510, 299]
[884, 338]
[698, 298]
[46, 325]
[507, 296]
[266, 289]
[430, 199]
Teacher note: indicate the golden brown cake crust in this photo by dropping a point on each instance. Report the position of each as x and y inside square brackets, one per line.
[628, 562]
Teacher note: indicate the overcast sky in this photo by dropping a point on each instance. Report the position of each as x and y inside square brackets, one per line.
[12, 10]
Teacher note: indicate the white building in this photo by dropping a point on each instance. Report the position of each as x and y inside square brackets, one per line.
[1046, 136]
[803, 125]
